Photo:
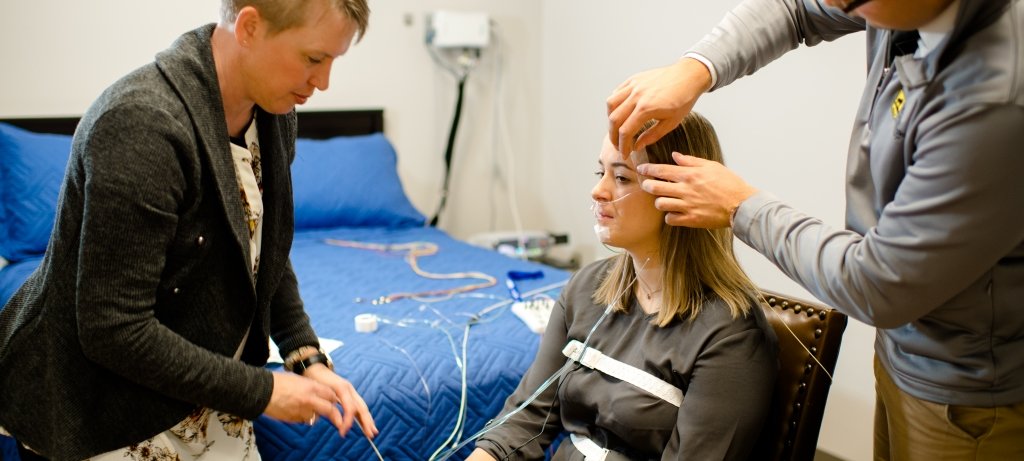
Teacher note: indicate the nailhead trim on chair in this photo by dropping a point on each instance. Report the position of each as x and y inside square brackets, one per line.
[811, 336]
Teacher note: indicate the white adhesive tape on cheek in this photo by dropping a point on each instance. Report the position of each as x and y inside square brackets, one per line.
[366, 323]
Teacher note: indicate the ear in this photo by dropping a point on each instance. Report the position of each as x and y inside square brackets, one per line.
[248, 25]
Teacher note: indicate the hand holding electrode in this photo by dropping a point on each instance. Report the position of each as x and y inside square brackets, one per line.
[665, 94]
[695, 192]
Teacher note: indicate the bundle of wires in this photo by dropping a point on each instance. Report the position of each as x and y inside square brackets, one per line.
[414, 250]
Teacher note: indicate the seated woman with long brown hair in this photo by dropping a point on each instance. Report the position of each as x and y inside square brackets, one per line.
[678, 361]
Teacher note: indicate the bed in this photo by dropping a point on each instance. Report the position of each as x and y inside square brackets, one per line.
[435, 369]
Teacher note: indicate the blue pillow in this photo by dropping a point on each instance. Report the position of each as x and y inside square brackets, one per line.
[349, 181]
[31, 172]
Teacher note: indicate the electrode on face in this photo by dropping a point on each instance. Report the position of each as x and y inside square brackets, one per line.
[639, 157]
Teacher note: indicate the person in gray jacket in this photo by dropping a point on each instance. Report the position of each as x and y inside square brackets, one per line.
[144, 332]
[933, 252]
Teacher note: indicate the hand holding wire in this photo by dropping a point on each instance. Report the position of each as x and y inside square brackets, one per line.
[353, 407]
[298, 399]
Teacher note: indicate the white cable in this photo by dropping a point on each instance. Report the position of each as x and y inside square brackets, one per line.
[419, 372]
[496, 170]
[547, 383]
[462, 404]
[459, 362]
[569, 363]
[457, 432]
[464, 62]
[376, 451]
[500, 132]
[761, 298]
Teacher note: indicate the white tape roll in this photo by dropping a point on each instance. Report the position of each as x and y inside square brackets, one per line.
[366, 323]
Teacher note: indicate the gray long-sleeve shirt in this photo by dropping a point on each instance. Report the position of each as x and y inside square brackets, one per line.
[725, 367]
[932, 253]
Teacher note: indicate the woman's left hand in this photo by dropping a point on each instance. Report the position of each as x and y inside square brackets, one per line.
[352, 404]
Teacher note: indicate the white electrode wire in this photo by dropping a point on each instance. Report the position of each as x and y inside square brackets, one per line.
[465, 385]
[466, 62]
[543, 289]
[459, 362]
[569, 363]
[496, 170]
[798, 341]
[500, 121]
[603, 232]
[368, 439]
[457, 432]
[595, 203]
[779, 316]
[419, 372]
[439, 314]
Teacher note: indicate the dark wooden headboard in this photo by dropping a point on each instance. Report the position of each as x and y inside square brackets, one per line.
[328, 124]
[312, 124]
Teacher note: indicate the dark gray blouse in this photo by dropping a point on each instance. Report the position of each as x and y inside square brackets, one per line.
[725, 367]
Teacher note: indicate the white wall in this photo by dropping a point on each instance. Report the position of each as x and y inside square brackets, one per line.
[58, 55]
[785, 130]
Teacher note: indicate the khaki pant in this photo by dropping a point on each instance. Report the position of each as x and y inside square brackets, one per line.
[910, 429]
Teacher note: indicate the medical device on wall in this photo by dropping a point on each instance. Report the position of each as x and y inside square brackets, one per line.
[453, 29]
[455, 40]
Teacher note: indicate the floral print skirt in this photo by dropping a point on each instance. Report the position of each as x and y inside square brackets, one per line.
[205, 435]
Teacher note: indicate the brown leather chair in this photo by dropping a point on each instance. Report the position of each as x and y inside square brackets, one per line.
[791, 430]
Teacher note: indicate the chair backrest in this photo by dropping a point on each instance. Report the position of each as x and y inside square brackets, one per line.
[791, 431]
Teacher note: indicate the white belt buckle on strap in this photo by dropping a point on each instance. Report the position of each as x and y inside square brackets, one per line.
[591, 451]
[593, 358]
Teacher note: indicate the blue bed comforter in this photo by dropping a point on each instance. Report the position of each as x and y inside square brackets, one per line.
[409, 369]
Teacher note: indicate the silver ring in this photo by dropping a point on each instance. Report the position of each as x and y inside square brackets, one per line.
[312, 420]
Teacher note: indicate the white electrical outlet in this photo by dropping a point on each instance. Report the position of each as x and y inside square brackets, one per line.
[453, 29]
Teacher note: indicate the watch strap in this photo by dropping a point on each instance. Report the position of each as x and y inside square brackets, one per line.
[301, 366]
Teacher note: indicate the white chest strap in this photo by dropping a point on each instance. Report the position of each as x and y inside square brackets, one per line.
[653, 385]
[591, 451]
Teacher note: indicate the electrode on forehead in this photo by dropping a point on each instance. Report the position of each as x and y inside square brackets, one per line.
[639, 157]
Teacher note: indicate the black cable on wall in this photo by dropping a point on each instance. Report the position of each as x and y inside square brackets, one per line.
[450, 151]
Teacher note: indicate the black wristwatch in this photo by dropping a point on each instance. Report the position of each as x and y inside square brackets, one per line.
[301, 366]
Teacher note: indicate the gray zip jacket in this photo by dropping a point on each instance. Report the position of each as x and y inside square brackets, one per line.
[932, 254]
